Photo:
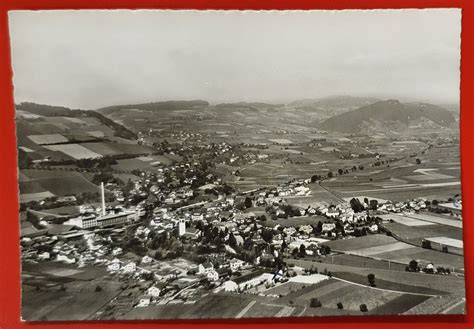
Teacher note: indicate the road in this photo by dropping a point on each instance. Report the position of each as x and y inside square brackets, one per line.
[245, 309]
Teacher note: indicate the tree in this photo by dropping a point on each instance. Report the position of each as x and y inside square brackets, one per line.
[98, 288]
[319, 227]
[302, 250]
[373, 204]
[330, 174]
[267, 235]
[232, 240]
[371, 279]
[24, 160]
[356, 205]
[363, 308]
[340, 306]
[418, 161]
[413, 266]
[315, 178]
[366, 201]
[340, 171]
[314, 302]
[248, 202]
[434, 202]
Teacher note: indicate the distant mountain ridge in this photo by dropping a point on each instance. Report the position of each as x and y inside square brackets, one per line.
[157, 106]
[335, 101]
[386, 112]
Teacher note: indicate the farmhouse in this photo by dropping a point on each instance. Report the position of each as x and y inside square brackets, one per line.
[154, 291]
[453, 246]
[205, 268]
[230, 286]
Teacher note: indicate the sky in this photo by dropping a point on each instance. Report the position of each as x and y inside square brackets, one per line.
[90, 59]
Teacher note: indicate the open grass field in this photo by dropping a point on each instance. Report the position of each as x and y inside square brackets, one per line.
[75, 151]
[48, 139]
[360, 242]
[103, 149]
[334, 291]
[375, 250]
[424, 257]
[78, 302]
[359, 261]
[415, 234]
[399, 286]
[28, 197]
[284, 289]
[55, 182]
[429, 218]
[210, 306]
[404, 220]
[399, 305]
[445, 304]
[450, 283]
[132, 148]
[131, 164]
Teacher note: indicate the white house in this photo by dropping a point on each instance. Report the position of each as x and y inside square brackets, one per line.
[154, 291]
[66, 259]
[117, 251]
[147, 260]
[205, 268]
[44, 256]
[212, 275]
[327, 227]
[130, 267]
[236, 264]
[230, 286]
[374, 228]
[144, 301]
[113, 267]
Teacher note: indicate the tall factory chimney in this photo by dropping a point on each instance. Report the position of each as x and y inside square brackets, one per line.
[103, 197]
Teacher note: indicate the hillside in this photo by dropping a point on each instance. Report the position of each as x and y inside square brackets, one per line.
[42, 110]
[385, 114]
[335, 102]
[157, 106]
[253, 106]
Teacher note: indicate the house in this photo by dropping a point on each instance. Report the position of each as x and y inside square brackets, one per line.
[212, 275]
[65, 259]
[327, 227]
[374, 228]
[147, 260]
[235, 264]
[154, 291]
[130, 267]
[230, 286]
[192, 233]
[253, 279]
[205, 268]
[114, 266]
[144, 301]
[117, 251]
[44, 256]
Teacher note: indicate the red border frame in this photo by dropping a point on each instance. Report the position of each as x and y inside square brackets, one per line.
[9, 230]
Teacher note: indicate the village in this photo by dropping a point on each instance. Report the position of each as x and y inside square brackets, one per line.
[184, 240]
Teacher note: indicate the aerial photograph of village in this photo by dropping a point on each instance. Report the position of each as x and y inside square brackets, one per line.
[168, 171]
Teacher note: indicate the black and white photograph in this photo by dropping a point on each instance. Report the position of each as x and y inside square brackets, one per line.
[211, 164]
